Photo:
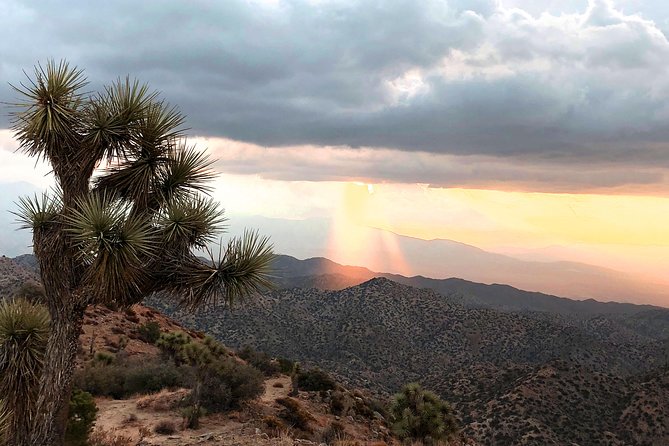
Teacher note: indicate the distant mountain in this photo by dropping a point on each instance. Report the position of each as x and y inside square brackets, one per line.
[493, 366]
[381, 250]
[325, 274]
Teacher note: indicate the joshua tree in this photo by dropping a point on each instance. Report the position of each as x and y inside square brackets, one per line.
[128, 213]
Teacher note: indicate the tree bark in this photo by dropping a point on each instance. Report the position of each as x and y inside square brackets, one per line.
[56, 381]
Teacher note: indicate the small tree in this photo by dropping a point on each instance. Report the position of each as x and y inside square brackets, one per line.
[125, 220]
[221, 382]
[81, 418]
[418, 414]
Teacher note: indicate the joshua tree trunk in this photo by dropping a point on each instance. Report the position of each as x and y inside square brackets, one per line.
[56, 381]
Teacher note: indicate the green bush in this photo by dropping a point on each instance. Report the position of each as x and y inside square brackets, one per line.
[418, 414]
[125, 378]
[81, 418]
[149, 332]
[286, 366]
[101, 380]
[172, 344]
[226, 383]
[315, 380]
[191, 415]
[259, 360]
[105, 358]
[153, 376]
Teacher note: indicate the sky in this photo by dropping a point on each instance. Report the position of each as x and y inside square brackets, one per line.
[536, 129]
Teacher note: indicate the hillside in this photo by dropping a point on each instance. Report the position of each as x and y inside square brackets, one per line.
[16, 272]
[491, 365]
[132, 419]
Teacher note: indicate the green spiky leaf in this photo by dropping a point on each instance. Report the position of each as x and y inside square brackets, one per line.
[240, 271]
[49, 119]
[187, 171]
[191, 222]
[39, 211]
[115, 245]
[24, 329]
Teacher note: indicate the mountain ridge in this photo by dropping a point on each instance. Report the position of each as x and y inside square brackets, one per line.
[304, 273]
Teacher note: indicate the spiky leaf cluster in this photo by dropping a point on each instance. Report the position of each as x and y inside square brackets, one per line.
[24, 329]
[421, 415]
[240, 269]
[39, 212]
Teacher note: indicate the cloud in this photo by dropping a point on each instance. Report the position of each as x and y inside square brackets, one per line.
[576, 96]
[374, 165]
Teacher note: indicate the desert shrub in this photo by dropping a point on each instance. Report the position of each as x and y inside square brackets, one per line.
[126, 378]
[31, 291]
[315, 380]
[104, 358]
[259, 360]
[172, 344]
[101, 380]
[334, 431]
[378, 406]
[295, 414]
[214, 394]
[286, 366]
[191, 416]
[153, 376]
[149, 332]
[165, 427]
[274, 425]
[338, 402]
[81, 418]
[226, 383]
[421, 415]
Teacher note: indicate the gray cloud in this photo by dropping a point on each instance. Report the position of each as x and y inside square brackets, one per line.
[450, 77]
[370, 165]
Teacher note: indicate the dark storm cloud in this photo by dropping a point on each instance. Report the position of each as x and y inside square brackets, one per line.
[448, 77]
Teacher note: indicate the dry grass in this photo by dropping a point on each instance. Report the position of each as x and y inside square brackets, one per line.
[163, 401]
[102, 437]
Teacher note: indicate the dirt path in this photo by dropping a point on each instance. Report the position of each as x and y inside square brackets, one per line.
[276, 388]
[123, 418]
